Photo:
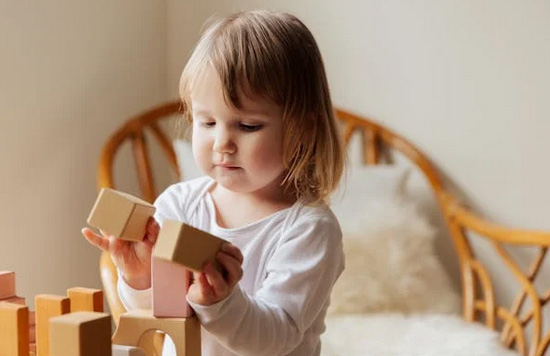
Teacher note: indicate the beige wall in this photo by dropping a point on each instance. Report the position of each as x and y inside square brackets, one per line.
[70, 73]
[466, 81]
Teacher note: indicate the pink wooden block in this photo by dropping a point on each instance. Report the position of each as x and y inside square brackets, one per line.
[15, 300]
[170, 284]
[32, 318]
[7, 284]
[32, 333]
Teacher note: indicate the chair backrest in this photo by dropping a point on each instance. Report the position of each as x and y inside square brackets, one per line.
[134, 131]
[520, 327]
[479, 302]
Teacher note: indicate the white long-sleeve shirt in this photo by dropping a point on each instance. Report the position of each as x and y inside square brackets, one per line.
[292, 259]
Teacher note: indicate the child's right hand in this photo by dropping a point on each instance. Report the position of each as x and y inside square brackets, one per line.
[132, 258]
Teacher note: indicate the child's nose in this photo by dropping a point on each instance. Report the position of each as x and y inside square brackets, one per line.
[223, 143]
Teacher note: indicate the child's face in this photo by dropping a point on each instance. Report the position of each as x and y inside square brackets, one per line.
[241, 149]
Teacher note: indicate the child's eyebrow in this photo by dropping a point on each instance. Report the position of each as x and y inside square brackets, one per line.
[203, 112]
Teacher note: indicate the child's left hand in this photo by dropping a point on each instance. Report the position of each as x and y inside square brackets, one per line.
[211, 286]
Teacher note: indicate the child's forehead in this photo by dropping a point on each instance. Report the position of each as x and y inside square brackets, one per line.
[209, 92]
[256, 107]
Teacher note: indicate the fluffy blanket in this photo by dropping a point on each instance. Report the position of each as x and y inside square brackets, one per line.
[414, 335]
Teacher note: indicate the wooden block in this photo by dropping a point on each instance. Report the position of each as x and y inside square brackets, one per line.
[32, 328]
[121, 350]
[170, 283]
[14, 329]
[121, 214]
[32, 349]
[15, 300]
[85, 299]
[47, 307]
[7, 284]
[183, 244]
[81, 334]
[32, 333]
[185, 332]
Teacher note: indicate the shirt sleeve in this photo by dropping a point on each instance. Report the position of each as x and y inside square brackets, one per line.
[171, 204]
[300, 277]
[132, 298]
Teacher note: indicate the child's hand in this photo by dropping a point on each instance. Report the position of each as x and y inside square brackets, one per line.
[211, 286]
[132, 258]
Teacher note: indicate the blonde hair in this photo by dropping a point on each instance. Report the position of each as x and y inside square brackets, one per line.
[275, 56]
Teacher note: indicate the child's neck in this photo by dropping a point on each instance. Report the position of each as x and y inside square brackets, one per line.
[235, 210]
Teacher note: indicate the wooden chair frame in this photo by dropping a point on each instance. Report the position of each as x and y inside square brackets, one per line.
[478, 294]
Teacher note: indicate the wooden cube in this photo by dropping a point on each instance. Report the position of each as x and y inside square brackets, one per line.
[120, 214]
[85, 299]
[7, 284]
[81, 334]
[180, 243]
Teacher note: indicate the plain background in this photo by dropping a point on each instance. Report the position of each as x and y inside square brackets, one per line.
[466, 81]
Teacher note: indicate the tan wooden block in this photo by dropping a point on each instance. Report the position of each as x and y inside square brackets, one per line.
[15, 300]
[180, 243]
[185, 332]
[47, 307]
[14, 329]
[85, 299]
[32, 349]
[120, 214]
[81, 334]
[7, 284]
[122, 350]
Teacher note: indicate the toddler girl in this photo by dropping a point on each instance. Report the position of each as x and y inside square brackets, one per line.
[264, 133]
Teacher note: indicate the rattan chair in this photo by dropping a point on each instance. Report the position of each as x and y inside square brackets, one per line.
[479, 302]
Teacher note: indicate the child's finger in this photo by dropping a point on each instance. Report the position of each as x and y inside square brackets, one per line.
[117, 246]
[232, 266]
[97, 240]
[234, 251]
[152, 230]
[215, 279]
[204, 287]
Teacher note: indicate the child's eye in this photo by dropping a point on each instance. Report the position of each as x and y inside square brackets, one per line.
[208, 123]
[250, 128]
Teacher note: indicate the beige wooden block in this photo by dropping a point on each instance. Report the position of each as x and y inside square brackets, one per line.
[85, 299]
[120, 214]
[81, 334]
[122, 350]
[7, 284]
[183, 244]
[47, 307]
[185, 332]
[14, 329]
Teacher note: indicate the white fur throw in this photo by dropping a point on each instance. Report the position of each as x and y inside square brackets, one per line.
[391, 265]
[414, 335]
